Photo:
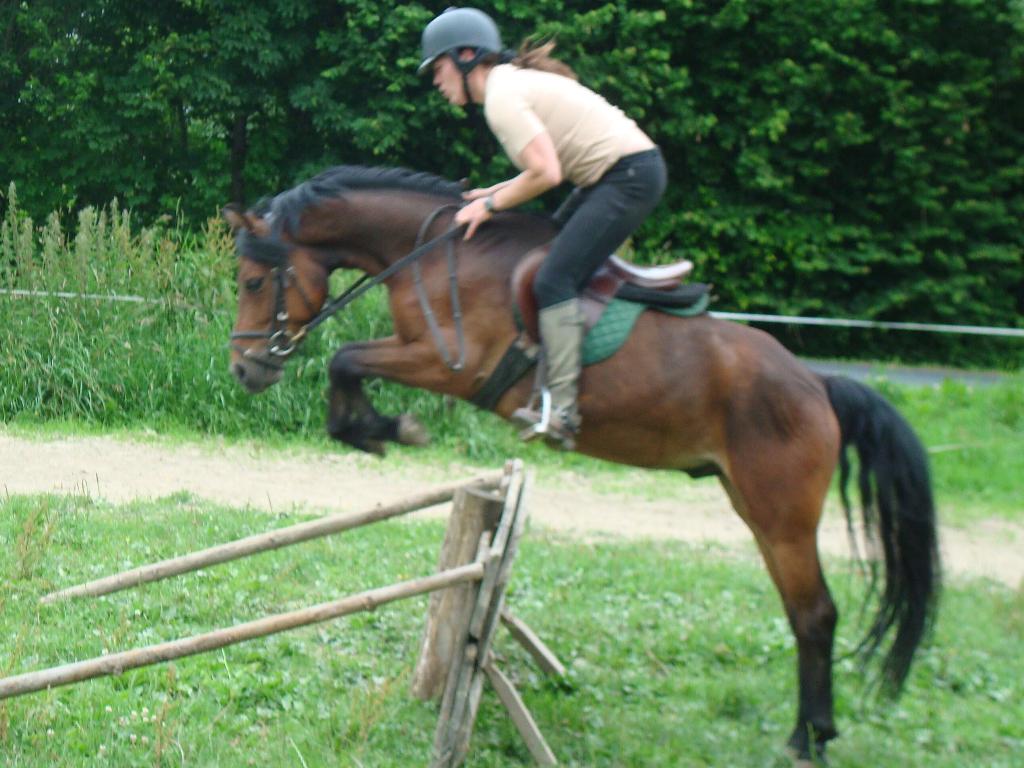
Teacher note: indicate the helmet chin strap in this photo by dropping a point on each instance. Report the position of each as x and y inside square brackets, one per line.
[465, 67]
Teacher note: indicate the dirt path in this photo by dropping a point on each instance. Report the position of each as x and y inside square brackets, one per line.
[262, 479]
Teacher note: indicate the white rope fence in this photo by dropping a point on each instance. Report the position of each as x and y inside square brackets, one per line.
[844, 323]
[976, 330]
[20, 293]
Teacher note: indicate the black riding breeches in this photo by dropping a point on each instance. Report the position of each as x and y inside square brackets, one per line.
[604, 215]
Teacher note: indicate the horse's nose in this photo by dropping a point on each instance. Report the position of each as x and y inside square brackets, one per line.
[239, 370]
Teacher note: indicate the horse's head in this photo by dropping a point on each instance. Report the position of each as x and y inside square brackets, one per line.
[281, 287]
[347, 217]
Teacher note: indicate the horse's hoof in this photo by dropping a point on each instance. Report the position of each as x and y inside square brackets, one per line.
[411, 431]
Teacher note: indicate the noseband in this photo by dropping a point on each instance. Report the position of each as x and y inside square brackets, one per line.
[275, 252]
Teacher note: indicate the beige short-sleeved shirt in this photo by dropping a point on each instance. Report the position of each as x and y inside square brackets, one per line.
[590, 135]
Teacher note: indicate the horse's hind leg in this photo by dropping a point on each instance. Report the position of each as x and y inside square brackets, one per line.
[812, 615]
[783, 510]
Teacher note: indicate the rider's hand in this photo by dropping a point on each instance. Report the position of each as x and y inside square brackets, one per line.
[476, 194]
[473, 215]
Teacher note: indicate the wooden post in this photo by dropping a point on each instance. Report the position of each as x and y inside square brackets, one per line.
[466, 678]
[485, 620]
[262, 542]
[116, 663]
[474, 512]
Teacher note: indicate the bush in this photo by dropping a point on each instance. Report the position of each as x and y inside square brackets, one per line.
[852, 158]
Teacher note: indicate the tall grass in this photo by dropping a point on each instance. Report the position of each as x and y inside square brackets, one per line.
[162, 364]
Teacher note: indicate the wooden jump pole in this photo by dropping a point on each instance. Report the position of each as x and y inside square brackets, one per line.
[115, 664]
[262, 542]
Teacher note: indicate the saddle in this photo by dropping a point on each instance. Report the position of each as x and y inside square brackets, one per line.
[660, 286]
[616, 295]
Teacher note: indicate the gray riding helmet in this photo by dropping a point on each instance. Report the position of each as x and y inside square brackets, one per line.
[459, 28]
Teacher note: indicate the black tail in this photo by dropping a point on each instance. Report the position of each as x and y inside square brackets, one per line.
[896, 500]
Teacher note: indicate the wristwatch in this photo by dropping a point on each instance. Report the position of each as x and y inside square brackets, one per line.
[489, 204]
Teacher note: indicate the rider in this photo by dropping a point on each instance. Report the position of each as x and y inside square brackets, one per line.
[552, 128]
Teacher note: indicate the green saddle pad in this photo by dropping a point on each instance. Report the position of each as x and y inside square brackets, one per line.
[603, 341]
[615, 325]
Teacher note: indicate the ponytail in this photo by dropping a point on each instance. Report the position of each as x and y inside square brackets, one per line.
[538, 56]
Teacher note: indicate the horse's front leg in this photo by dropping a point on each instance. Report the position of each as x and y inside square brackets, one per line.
[351, 417]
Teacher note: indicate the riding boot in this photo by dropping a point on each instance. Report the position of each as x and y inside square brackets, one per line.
[561, 333]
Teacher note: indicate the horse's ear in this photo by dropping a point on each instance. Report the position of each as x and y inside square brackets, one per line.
[236, 218]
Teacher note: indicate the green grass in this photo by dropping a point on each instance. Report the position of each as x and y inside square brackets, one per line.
[975, 437]
[677, 655]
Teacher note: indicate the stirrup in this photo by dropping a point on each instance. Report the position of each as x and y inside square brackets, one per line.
[539, 424]
[536, 424]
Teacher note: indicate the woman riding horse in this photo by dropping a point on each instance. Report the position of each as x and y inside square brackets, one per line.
[552, 128]
[694, 394]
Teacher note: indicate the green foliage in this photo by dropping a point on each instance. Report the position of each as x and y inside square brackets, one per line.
[676, 655]
[850, 163]
[853, 158]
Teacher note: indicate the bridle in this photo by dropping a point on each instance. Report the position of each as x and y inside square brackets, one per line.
[275, 252]
[280, 341]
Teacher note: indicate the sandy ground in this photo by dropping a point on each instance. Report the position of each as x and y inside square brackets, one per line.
[120, 470]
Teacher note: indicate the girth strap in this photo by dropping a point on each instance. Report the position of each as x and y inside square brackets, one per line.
[518, 359]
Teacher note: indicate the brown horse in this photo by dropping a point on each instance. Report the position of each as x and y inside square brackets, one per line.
[694, 394]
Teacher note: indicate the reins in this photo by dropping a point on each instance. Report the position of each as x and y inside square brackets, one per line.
[281, 343]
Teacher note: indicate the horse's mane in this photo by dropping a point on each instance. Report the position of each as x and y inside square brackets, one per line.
[286, 208]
